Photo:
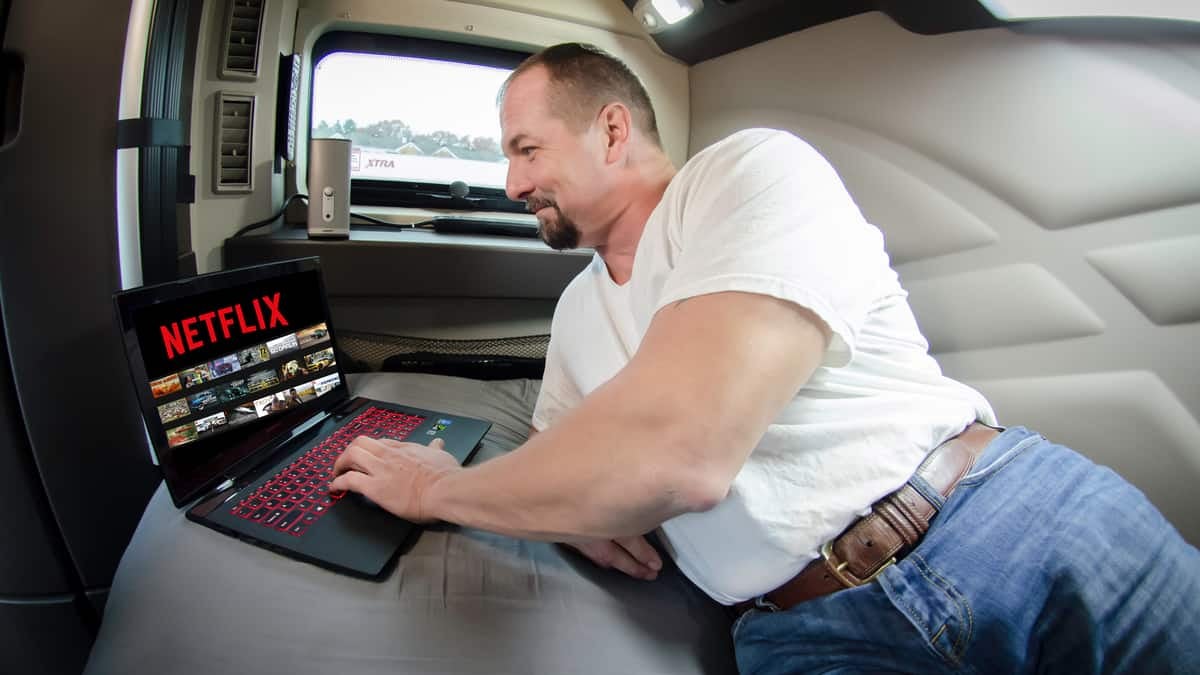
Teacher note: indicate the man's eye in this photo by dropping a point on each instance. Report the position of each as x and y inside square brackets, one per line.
[528, 150]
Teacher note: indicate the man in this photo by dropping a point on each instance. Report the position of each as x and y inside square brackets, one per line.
[739, 368]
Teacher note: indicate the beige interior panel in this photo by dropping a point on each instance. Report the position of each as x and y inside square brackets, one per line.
[891, 182]
[1129, 421]
[1161, 277]
[611, 15]
[1040, 201]
[949, 309]
[216, 216]
[1046, 118]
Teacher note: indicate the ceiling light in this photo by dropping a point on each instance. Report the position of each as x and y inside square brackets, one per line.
[658, 15]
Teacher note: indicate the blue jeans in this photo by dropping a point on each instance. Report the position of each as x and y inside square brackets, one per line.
[1040, 561]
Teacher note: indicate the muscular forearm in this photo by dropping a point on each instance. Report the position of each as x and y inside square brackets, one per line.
[665, 436]
[608, 469]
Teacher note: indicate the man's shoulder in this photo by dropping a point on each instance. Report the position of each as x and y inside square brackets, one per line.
[738, 154]
[755, 139]
[745, 162]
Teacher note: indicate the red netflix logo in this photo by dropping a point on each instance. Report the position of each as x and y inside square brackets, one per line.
[184, 336]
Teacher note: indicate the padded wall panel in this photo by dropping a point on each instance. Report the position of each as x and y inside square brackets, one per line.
[1041, 128]
[892, 182]
[1161, 277]
[1045, 222]
[1129, 421]
[991, 308]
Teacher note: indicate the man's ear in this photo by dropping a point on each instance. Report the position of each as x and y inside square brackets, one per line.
[616, 123]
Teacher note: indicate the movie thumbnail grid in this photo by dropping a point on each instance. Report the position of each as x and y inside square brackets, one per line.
[251, 410]
[239, 380]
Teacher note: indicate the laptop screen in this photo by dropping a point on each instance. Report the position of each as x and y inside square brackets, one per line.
[227, 362]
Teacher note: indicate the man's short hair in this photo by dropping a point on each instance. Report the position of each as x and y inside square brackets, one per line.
[585, 78]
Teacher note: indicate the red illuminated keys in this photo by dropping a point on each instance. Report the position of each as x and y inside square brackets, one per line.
[296, 497]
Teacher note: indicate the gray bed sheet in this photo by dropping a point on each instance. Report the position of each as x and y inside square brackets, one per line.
[187, 599]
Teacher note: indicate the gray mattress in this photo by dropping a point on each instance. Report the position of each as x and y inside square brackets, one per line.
[187, 599]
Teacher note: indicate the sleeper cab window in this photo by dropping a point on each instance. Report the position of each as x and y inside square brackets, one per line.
[420, 114]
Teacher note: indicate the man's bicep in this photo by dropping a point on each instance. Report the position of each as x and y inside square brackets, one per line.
[726, 364]
[777, 220]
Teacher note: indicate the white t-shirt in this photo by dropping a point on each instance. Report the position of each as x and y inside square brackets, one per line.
[763, 212]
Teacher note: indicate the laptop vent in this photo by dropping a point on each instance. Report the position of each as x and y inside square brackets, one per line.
[243, 31]
[233, 163]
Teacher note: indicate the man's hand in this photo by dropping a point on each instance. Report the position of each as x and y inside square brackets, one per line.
[393, 474]
[632, 555]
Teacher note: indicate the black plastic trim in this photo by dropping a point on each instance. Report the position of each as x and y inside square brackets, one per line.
[287, 105]
[141, 132]
[164, 178]
[430, 196]
[407, 193]
[56, 284]
[472, 366]
[42, 637]
[54, 599]
[5, 6]
[401, 45]
[20, 452]
[12, 84]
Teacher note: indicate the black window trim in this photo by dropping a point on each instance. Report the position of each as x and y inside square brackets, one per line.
[367, 192]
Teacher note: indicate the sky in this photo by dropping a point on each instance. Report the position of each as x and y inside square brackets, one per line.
[428, 95]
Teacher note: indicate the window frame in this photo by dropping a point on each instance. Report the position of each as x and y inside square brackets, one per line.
[420, 194]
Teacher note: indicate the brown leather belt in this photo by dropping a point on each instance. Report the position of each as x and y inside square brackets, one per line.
[882, 537]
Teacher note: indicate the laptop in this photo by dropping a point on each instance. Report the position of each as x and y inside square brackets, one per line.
[240, 382]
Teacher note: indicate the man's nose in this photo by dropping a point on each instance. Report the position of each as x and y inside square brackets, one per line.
[516, 186]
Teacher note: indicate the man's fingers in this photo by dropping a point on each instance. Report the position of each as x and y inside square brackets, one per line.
[356, 458]
[610, 554]
[641, 550]
[351, 481]
[392, 444]
[375, 446]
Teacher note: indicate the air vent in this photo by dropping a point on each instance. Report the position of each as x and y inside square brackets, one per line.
[233, 167]
[243, 30]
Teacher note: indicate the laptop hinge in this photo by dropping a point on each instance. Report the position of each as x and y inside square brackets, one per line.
[216, 497]
[309, 423]
[231, 486]
[348, 406]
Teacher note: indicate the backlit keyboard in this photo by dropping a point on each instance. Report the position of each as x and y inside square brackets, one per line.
[296, 497]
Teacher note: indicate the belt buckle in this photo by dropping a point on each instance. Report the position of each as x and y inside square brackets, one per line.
[838, 569]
